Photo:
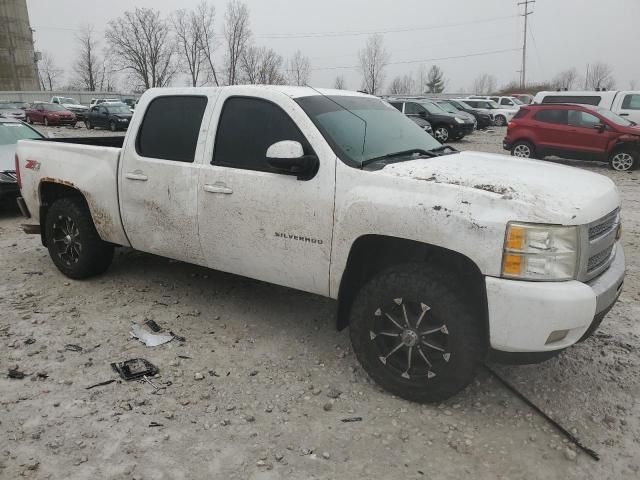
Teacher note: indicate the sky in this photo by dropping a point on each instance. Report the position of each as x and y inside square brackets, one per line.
[464, 38]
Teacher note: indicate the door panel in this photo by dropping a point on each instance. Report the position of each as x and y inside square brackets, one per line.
[629, 107]
[582, 136]
[256, 222]
[159, 176]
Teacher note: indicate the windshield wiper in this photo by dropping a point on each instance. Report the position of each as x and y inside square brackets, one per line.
[403, 153]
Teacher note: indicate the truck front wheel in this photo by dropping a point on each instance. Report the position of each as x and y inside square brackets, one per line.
[416, 334]
[73, 242]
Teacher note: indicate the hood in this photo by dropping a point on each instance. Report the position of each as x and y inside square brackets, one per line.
[73, 105]
[123, 115]
[7, 157]
[545, 191]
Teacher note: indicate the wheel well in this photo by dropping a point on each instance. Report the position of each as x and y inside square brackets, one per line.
[370, 254]
[49, 193]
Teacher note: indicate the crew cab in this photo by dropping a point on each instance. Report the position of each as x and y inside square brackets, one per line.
[624, 103]
[574, 131]
[436, 258]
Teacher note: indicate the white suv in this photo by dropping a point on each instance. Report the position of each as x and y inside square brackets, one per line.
[511, 103]
[501, 115]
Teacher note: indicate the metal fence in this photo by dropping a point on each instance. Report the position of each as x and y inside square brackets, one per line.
[83, 97]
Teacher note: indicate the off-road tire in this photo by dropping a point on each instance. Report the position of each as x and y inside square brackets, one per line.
[94, 255]
[466, 345]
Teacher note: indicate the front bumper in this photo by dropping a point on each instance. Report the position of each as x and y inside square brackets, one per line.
[523, 315]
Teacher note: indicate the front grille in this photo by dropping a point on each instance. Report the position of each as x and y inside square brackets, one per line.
[599, 259]
[604, 225]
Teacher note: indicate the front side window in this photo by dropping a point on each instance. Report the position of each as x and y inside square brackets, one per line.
[171, 127]
[248, 127]
[612, 117]
[396, 105]
[552, 116]
[578, 118]
[631, 102]
[359, 129]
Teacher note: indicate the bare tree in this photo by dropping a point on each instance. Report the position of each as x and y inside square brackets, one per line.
[599, 76]
[87, 65]
[484, 84]
[373, 60]
[435, 80]
[106, 79]
[402, 85]
[298, 69]
[237, 34]
[187, 30]
[49, 72]
[567, 79]
[205, 23]
[261, 65]
[142, 45]
[339, 83]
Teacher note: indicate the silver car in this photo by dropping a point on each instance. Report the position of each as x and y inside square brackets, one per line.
[12, 130]
[12, 110]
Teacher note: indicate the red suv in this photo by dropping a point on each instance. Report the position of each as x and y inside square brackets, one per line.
[574, 131]
[49, 114]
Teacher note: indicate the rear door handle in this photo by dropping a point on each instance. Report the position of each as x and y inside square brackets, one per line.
[217, 188]
[137, 175]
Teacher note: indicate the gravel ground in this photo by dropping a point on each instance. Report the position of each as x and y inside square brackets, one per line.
[262, 381]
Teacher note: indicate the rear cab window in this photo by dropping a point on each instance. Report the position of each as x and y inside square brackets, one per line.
[171, 127]
[582, 99]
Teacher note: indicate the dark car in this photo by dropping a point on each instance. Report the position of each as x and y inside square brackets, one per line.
[49, 114]
[484, 119]
[451, 108]
[574, 131]
[114, 116]
[423, 124]
[446, 126]
[11, 131]
[12, 110]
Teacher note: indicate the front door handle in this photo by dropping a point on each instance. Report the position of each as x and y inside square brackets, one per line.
[137, 175]
[217, 188]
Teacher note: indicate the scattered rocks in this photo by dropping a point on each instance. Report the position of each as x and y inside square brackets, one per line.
[199, 376]
[570, 454]
[334, 392]
[327, 407]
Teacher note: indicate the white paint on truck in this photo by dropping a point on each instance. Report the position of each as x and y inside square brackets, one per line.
[625, 103]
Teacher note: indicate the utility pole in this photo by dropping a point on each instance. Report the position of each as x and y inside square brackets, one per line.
[523, 77]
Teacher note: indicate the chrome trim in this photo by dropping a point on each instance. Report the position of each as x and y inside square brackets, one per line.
[595, 238]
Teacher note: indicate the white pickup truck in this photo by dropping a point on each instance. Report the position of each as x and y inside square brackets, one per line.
[624, 103]
[437, 258]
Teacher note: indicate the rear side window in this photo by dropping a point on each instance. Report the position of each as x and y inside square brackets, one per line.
[552, 116]
[248, 127]
[631, 102]
[397, 105]
[171, 127]
[583, 99]
[411, 108]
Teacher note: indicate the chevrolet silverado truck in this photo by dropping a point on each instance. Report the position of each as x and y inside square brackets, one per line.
[437, 258]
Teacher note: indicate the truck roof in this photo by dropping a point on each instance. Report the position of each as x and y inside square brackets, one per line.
[289, 90]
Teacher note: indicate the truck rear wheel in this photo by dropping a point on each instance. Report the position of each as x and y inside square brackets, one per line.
[416, 334]
[73, 242]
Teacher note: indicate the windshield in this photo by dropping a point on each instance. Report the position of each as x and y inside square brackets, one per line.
[70, 100]
[517, 101]
[447, 107]
[10, 133]
[612, 117]
[373, 130]
[53, 107]
[119, 109]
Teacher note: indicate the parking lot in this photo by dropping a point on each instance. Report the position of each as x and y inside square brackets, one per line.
[262, 384]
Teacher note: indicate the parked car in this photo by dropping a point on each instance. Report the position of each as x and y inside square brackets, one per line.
[451, 108]
[12, 110]
[446, 126]
[484, 118]
[72, 105]
[574, 131]
[11, 130]
[508, 102]
[50, 114]
[98, 101]
[624, 103]
[436, 257]
[525, 98]
[501, 116]
[423, 124]
[114, 116]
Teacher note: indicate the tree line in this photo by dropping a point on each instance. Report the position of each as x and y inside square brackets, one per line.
[147, 50]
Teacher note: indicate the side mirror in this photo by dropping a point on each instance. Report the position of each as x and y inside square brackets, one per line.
[600, 127]
[288, 157]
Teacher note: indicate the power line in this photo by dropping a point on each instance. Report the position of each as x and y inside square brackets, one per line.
[426, 60]
[523, 80]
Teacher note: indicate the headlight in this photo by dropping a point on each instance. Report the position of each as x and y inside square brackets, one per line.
[459, 120]
[540, 252]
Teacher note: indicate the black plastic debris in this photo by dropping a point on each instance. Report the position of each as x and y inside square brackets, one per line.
[135, 368]
[73, 348]
[177, 337]
[156, 424]
[30, 341]
[101, 384]
[153, 325]
[351, 419]
[16, 373]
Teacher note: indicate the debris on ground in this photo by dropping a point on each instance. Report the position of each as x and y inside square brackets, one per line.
[101, 384]
[73, 348]
[135, 368]
[16, 373]
[152, 325]
[351, 419]
[148, 338]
